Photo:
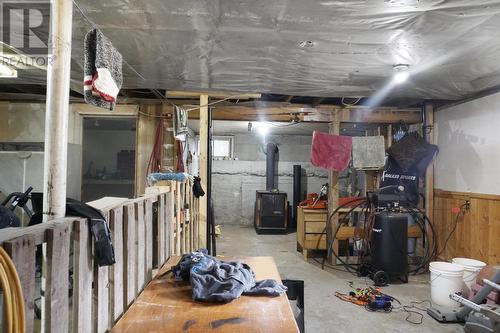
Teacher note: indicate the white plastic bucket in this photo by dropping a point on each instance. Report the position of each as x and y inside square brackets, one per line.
[472, 267]
[446, 279]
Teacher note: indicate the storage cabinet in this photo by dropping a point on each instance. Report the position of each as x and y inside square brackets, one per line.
[311, 229]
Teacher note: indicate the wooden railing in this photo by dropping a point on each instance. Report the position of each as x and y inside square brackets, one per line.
[145, 232]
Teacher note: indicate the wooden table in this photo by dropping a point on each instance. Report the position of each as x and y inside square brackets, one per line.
[166, 305]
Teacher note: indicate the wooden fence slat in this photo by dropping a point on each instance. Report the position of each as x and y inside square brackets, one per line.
[190, 217]
[130, 253]
[102, 293]
[116, 274]
[161, 229]
[82, 274]
[195, 207]
[148, 223]
[22, 252]
[101, 290]
[141, 246]
[179, 235]
[56, 283]
[170, 224]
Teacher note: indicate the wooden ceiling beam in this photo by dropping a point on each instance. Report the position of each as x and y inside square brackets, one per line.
[323, 113]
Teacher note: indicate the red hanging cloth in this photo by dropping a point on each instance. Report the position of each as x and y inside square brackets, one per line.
[331, 151]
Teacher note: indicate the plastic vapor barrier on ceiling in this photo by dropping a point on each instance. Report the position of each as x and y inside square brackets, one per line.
[296, 47]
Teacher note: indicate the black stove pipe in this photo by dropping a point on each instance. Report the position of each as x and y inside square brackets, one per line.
[271, 150]
[297, 172]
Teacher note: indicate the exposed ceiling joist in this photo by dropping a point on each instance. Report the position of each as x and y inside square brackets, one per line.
[214, 94]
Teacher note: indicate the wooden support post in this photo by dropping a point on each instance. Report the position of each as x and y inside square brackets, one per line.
[388, 139]
[57, 111]
[429, 175]
[333, 196]
[203, 161]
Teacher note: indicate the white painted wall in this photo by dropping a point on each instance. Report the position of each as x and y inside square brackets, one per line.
[25, 122]
[468, 136]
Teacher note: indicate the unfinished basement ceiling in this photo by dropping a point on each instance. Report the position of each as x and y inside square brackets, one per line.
[295, 47]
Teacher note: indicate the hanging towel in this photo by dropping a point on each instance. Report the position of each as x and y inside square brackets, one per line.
[368, 152]
[331, 151]
[102, 70]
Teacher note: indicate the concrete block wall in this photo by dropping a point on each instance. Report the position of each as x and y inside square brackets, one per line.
[234, 182]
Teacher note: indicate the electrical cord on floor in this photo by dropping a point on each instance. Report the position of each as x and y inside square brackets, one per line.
[13, 301]
[411, 310]
[461, 213]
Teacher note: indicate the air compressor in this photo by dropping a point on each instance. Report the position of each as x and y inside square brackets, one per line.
[389, 237]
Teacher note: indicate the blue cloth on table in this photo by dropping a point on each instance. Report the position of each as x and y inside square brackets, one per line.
[214, 280]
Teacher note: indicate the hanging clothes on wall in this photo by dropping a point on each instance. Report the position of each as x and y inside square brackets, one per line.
[102, 70]
[331, 151]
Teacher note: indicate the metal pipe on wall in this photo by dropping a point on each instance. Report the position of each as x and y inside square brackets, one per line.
[297, 173]
[270, 165]
[57, 110]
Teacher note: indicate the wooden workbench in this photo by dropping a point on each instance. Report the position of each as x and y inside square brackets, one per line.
[166, 305]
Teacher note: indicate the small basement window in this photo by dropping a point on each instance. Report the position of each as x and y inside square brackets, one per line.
[222, 147]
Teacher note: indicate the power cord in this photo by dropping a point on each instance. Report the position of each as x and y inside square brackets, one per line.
[463, 209]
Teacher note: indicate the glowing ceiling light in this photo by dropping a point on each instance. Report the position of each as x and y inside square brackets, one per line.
[402, 73]
[401, 77]
[6, 71]
[262, 128]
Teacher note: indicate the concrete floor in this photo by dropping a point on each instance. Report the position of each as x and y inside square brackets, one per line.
[324, 311]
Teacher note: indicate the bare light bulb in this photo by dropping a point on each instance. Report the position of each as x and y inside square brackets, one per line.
[263, 129]
[401, 77]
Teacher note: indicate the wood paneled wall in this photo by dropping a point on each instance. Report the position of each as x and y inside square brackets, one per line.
[477, 234]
